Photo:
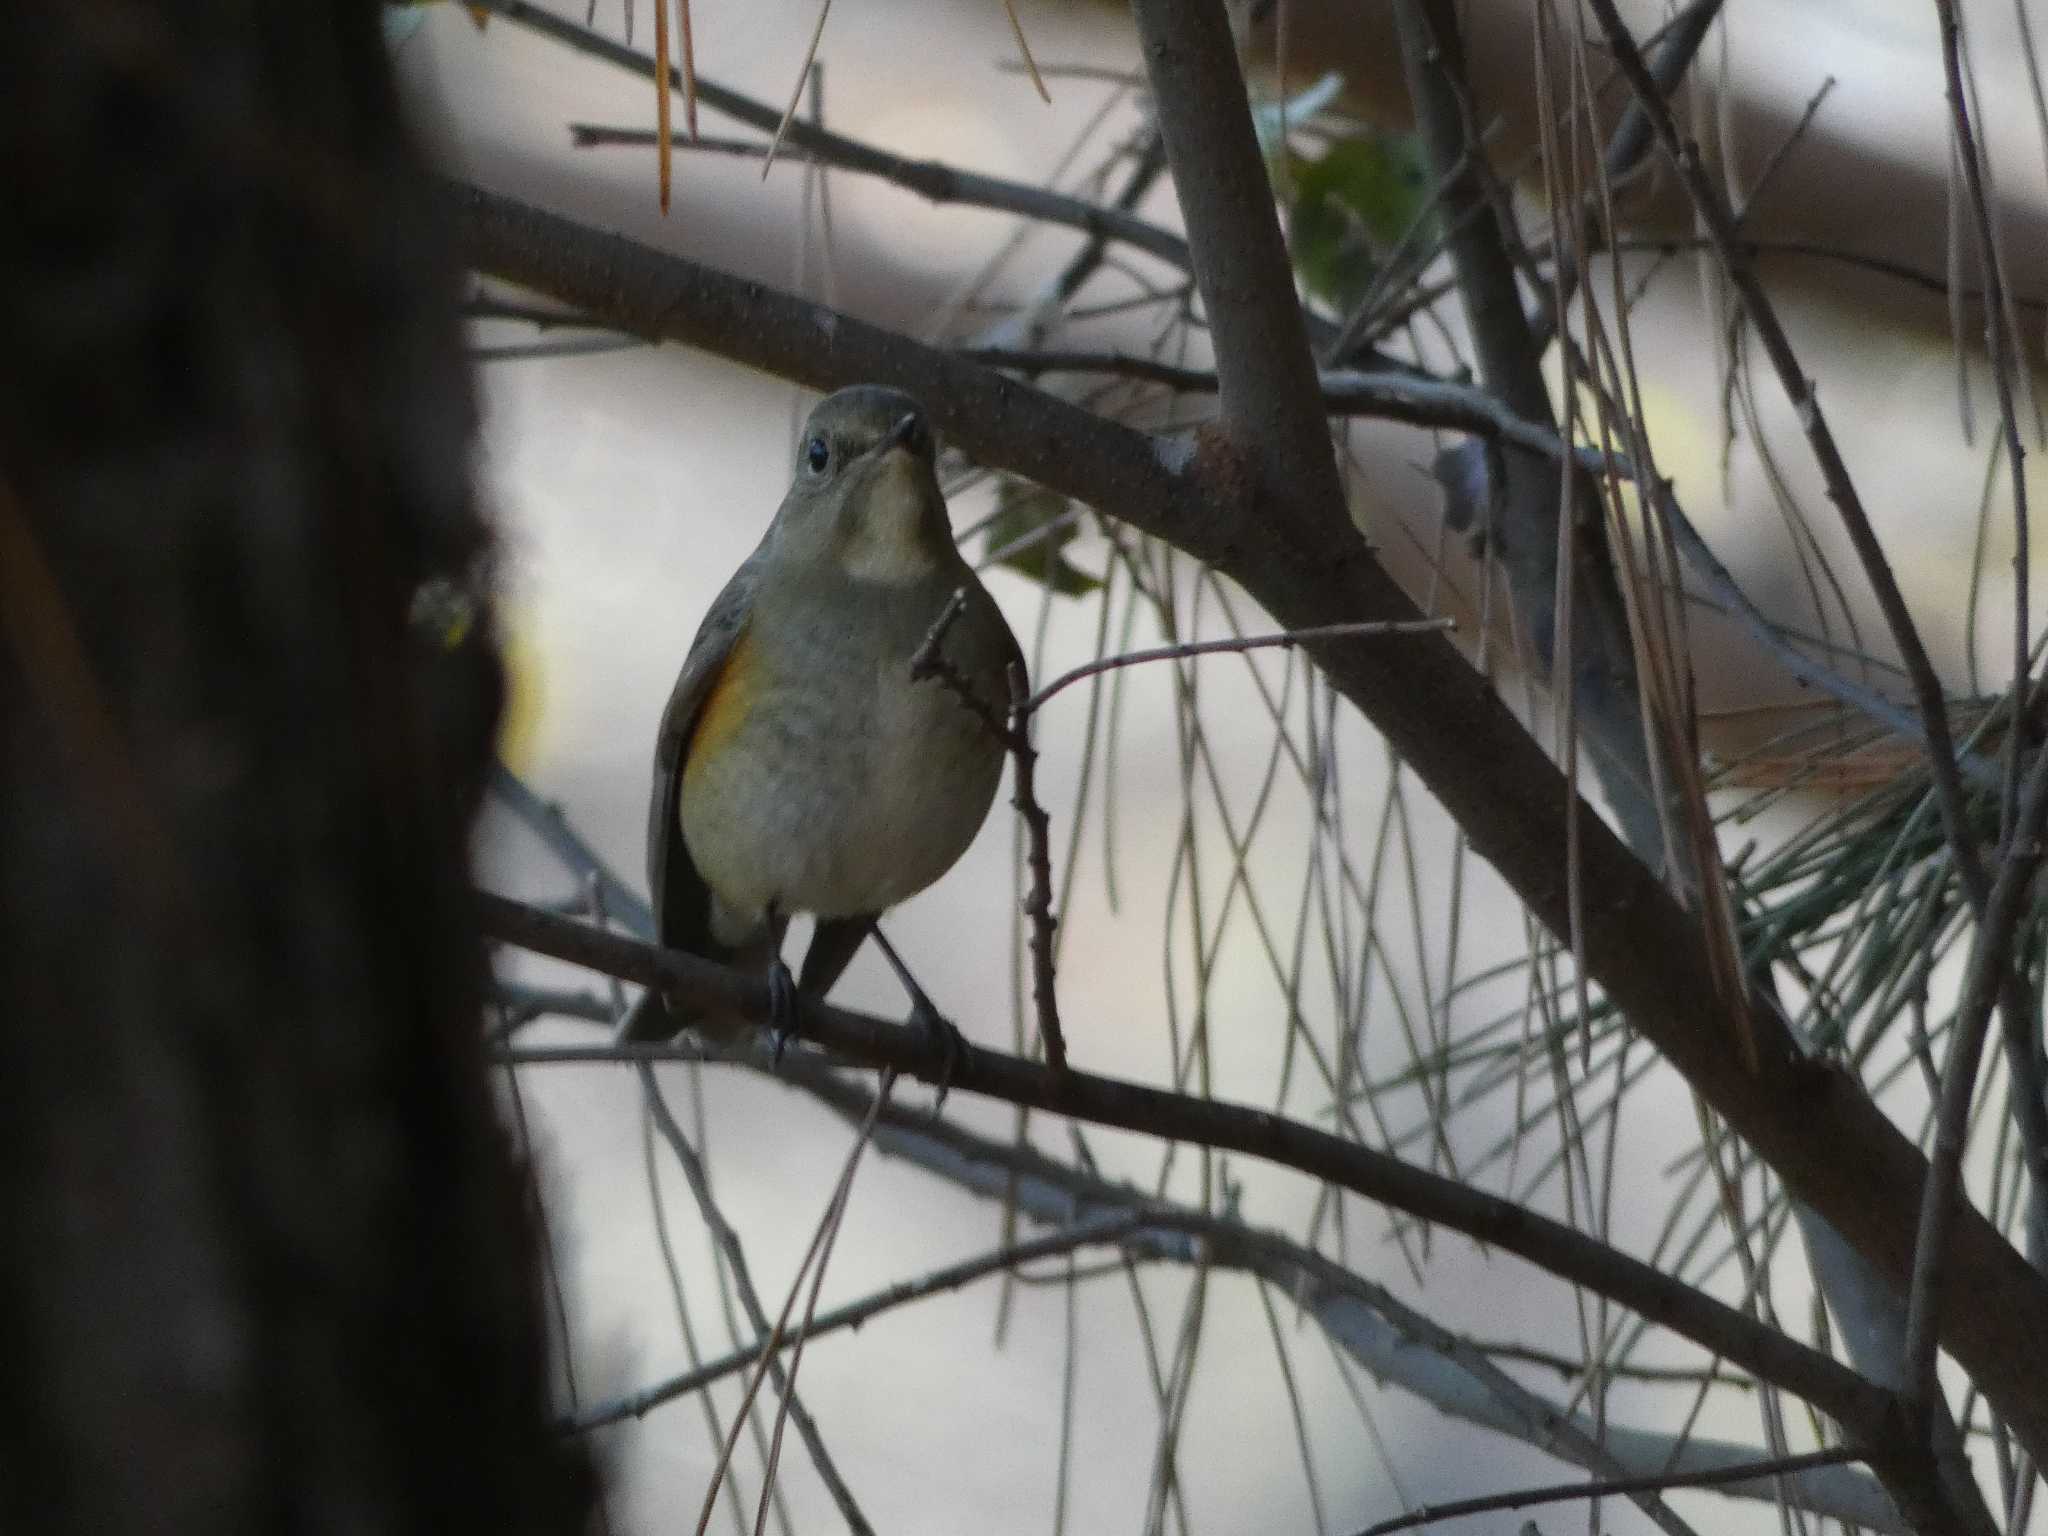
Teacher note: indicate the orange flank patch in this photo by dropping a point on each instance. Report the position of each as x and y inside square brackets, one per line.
[725, 706]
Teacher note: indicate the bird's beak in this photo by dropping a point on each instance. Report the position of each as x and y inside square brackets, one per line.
[900, 435]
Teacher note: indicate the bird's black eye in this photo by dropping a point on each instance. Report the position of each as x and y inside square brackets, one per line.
[817, 454]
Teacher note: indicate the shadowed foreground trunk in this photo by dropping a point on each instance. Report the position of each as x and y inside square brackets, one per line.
[264, 1259]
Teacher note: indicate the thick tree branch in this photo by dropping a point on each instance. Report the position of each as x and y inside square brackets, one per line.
[1866, 1412]
[1267, 379]
[1394, 1342]
[1307, 568]
[1858, 1405]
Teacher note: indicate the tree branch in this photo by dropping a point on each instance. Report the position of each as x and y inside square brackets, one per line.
[728, 1241]
[1266, 374]
[1389, 1339]
[1561, 1493]
[951, 1277]
[1535, 528]
[1632, 138]
[929, 179]
[1799, 389]
[1858, 1405]
[1306, 565]
[1866, 1412]
[1395, 1343]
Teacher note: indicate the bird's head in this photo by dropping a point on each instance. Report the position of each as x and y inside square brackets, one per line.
[866, 490]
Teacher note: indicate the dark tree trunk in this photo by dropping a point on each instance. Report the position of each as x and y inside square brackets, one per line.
[264, 1259]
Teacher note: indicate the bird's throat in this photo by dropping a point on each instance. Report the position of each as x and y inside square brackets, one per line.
[890, 541]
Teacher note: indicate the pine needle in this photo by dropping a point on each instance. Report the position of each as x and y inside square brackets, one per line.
[662, 147]
[1024, 48]
[797, 92]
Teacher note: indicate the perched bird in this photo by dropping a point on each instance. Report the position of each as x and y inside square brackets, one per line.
[800, 766]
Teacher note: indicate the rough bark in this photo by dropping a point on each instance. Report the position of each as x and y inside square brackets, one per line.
[264, 1260]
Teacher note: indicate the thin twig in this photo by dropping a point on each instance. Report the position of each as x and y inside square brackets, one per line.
[1397, 1344]
[796, 93]
[1841, 488]
[1674, 56]
[1559, 1493]
[828, 1235]
[1855, 1403]
[728, 1242]
[930, 661]
[1989, 973]
[1298, 555]
[928, 178]
[633, 1405]
[1288, 640]
[689, 70]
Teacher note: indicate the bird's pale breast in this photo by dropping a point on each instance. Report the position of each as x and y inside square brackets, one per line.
[820, 777]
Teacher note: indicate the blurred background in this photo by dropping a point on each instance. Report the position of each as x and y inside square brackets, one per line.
[628, 481]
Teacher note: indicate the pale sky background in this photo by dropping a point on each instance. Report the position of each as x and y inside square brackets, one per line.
[629, 485]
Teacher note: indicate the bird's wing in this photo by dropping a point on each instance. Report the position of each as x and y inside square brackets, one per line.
[682, 901]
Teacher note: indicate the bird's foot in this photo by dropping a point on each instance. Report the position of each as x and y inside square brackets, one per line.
[782, 1009]
[939, 1033]
[942, 1036]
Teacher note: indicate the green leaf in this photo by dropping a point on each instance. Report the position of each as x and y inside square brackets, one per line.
[1021, 537]
[1350, 207]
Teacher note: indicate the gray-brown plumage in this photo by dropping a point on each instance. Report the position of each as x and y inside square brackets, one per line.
[799, 768]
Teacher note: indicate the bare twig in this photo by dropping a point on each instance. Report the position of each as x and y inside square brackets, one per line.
[928, 178]
[1288, 641]
[1674, 56]
[1301, 559]
[689, 71]
[796, 93]
[1881, 266]
[1015, 735]
[1859, 1406]
[1108, 1229]
[828, 1234]
[728, 1242]
[1024, 52]
[1560, 1493]
[1548, 533]
[2028, 1091]
[662, 150]
[1841, 488]
[1410, 396]
[1394, 1342]
[1990, 973]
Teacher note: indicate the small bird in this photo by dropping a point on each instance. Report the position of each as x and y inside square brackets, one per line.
[800, 767]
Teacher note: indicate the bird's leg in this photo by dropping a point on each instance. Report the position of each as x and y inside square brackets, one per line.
[782, 1009]
[938, 1029]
